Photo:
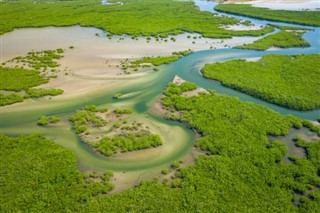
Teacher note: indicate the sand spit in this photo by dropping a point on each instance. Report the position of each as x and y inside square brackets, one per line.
[280, 4]
[242, 27]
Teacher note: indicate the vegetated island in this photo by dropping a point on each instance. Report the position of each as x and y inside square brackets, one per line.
[109, 133]
[311, 18]
[240, 161]
[45, 120]
[20, 74]
[136, 18]
[153, 61]
[286, 38]
[291, 81]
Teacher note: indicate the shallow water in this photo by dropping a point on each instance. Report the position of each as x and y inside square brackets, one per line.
[288, 140]
[282, 5]
[178, 139]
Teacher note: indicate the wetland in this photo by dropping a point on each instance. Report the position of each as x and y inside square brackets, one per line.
[196, 144]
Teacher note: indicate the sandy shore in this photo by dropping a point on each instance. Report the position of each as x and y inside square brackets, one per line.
[95, 61]
[281, 4]
[241, 27]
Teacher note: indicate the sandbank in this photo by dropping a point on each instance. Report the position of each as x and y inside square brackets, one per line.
[241, 27]
[95, 61]
[281, 4]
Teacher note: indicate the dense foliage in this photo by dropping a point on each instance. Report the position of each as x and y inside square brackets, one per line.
[289, 81]
[40, 176]
[10, 99]
[124, 137]
[17, 79]
[143, 17]
[39, 92]
[298, 17]
[282, 39]
[127, 142]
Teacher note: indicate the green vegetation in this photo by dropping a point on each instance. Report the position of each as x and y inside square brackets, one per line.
[183, 52]
[127, 142]
[54, 119]
[123, 111]
[242, 161]
[311, 126]
[136, 18]
[124, 138]
[154, 61]
[293, 28]
[286, 38]
[22, 79]
[10, 99]
[117, 95]
[39, 60]
[165, 171]
[179, 89]
[38, 92]
[175, 165]
[44, 120]
[289, 81]
[297, 17]
[17, 79]
[85, 117]
[38, 175]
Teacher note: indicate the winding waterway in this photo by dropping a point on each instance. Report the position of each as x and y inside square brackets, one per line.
[21, 118]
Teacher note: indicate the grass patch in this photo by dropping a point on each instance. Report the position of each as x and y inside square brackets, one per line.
[154, 61]
[18, 79]
[10, 99]
[38, 92]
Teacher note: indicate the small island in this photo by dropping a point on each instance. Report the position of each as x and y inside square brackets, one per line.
[112, 132]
